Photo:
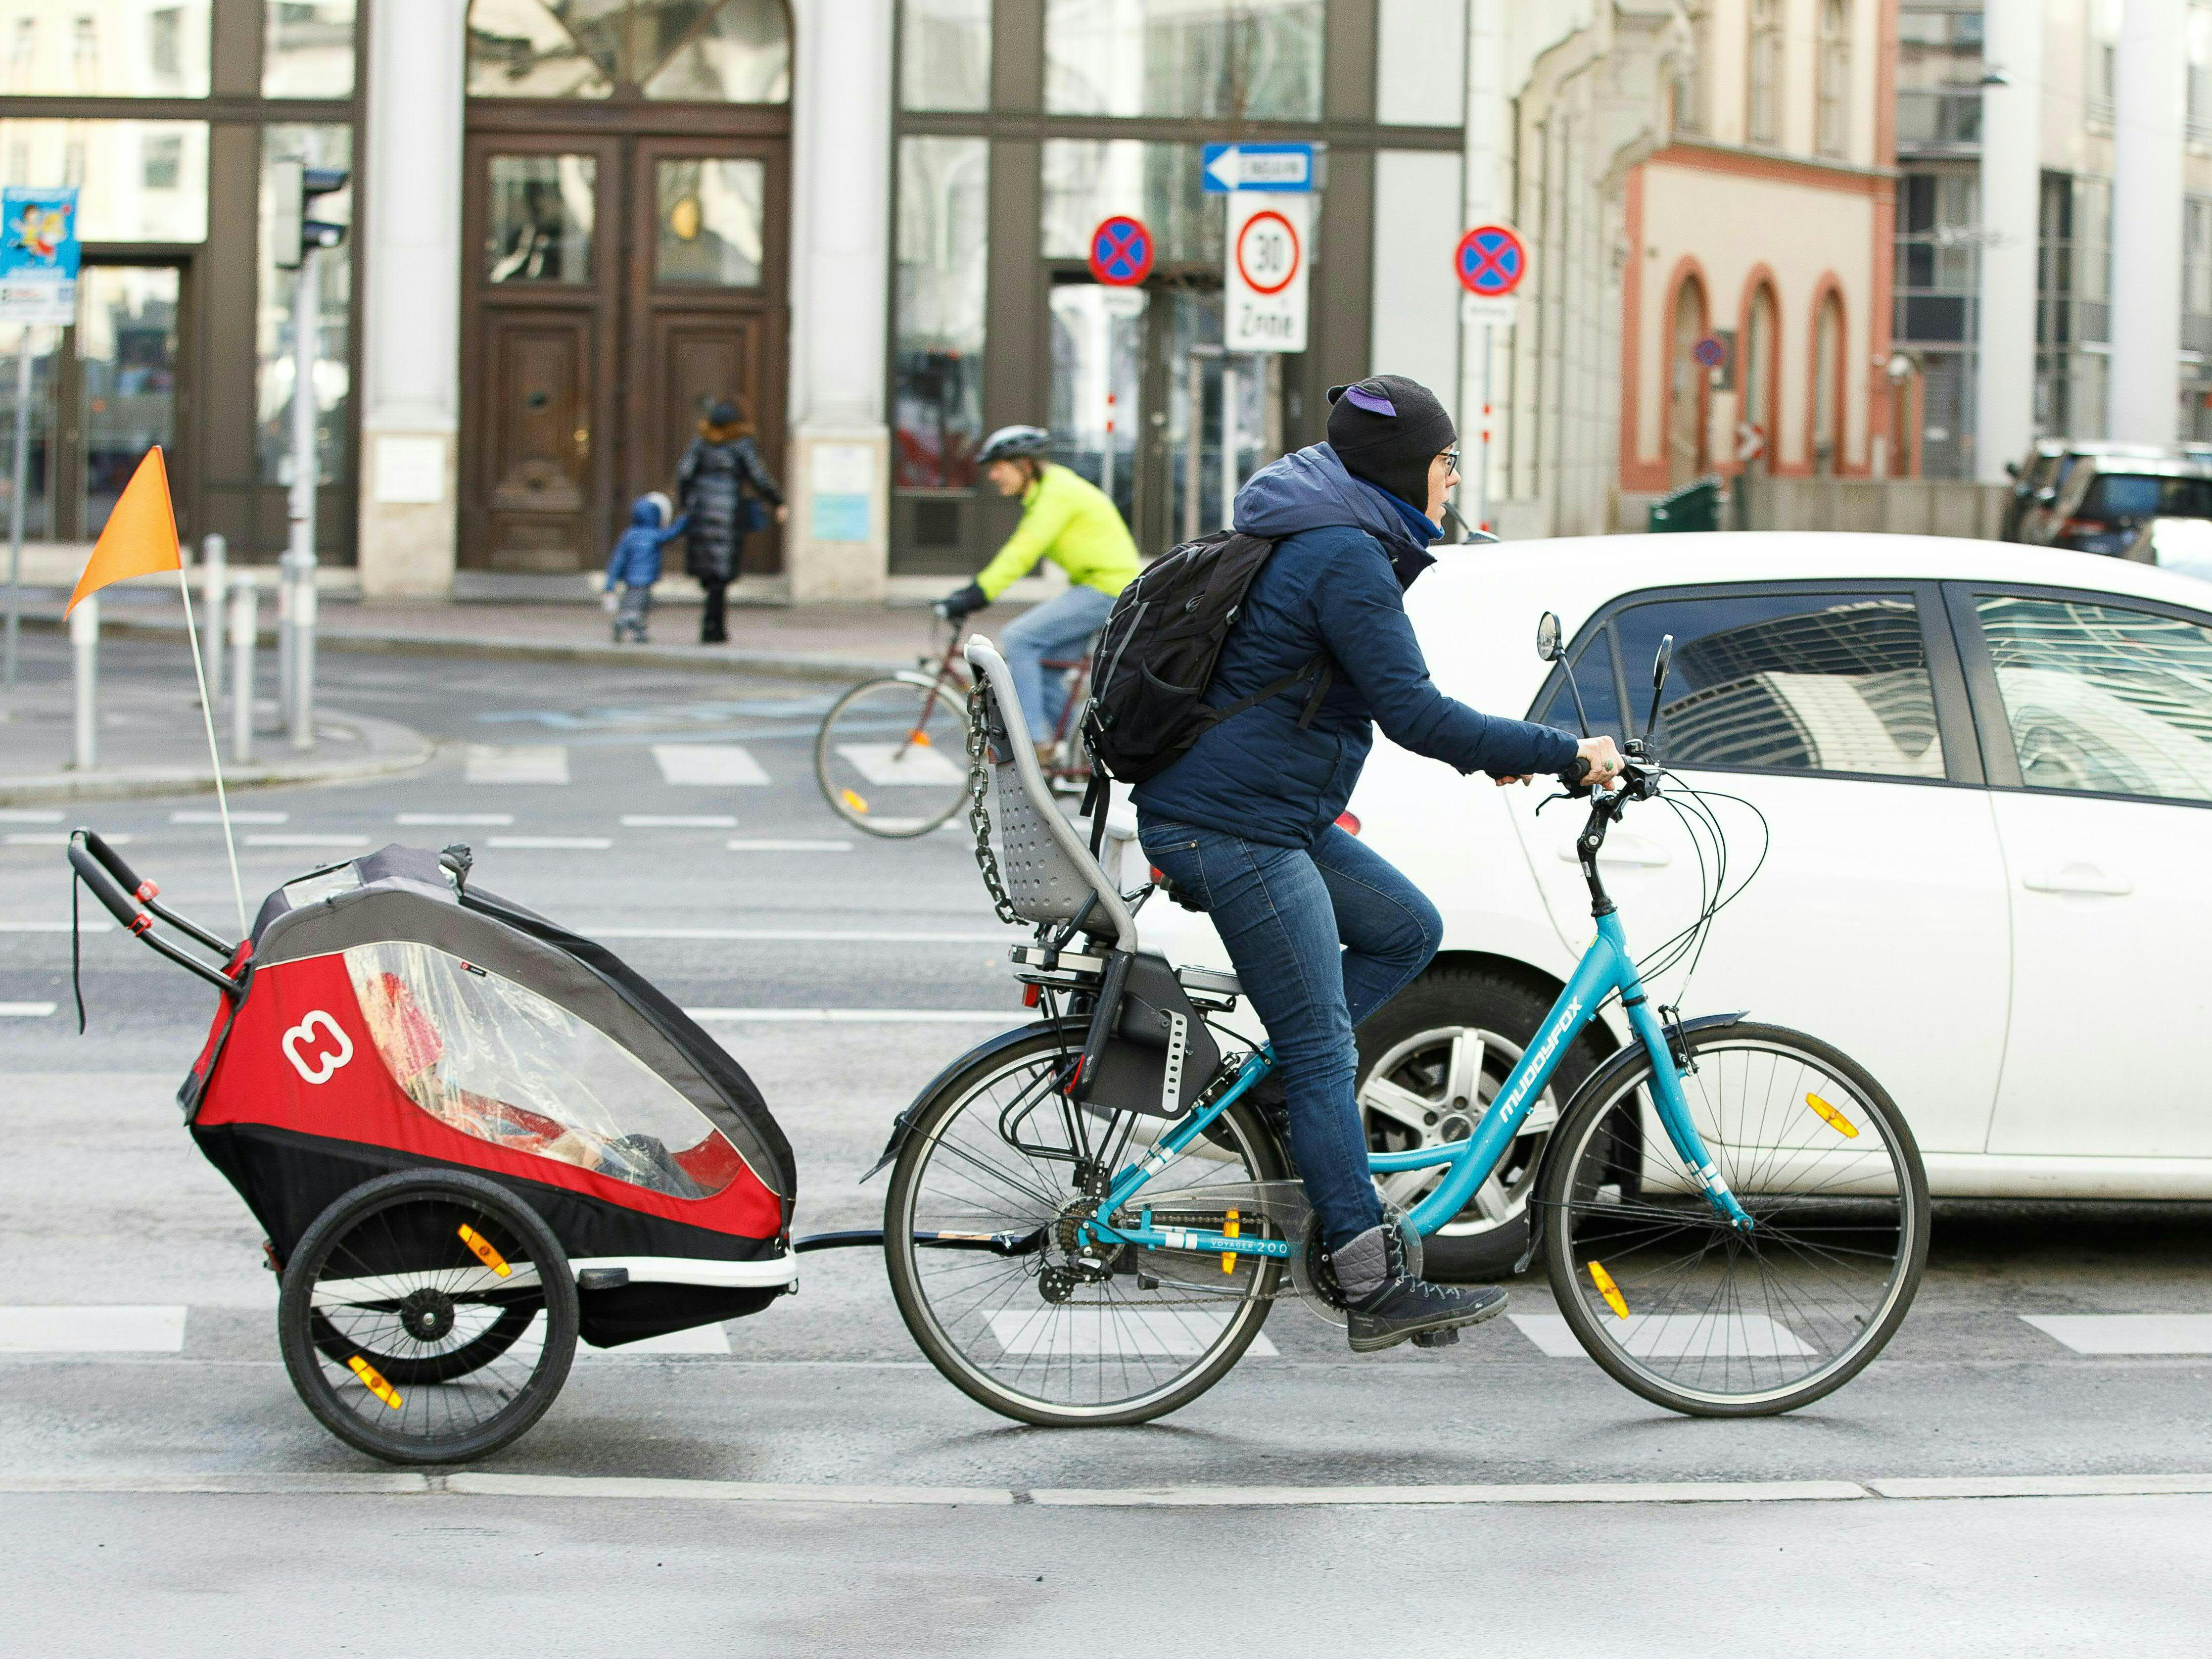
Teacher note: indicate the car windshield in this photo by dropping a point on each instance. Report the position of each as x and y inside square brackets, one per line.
[2146, 495]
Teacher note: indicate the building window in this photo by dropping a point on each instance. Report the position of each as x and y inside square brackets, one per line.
[2102, 59]
[1834, 134]
[1939, 71]
[738, 53]
[113, 52]
[2199, 114]
[539, 221]
[1938, 274]
[306, 49]
[1764, 118]
[710, 222]
[321, 147]
[1087, 179]
[162, 161]
[144, 181]
[1827, 421]
[944, 54]
[943, 254]
[1687, 97]
[1213, 59]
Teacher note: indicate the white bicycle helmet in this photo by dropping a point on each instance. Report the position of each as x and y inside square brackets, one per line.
[1013, 443]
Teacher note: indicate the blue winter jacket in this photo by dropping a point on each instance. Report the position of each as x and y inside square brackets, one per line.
[1336, 584]
[635, 561]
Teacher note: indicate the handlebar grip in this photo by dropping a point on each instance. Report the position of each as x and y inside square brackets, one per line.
[1578, 770]
[113, 861]
[104, 888]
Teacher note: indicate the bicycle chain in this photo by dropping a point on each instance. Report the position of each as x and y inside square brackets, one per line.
[979, 815]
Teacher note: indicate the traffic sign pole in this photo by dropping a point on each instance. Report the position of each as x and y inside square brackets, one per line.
[1490, 262]
[21, 475]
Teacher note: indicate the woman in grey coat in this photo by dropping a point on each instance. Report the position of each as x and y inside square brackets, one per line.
[720, 471]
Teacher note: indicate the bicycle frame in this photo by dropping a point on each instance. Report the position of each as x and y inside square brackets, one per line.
[1606, 968]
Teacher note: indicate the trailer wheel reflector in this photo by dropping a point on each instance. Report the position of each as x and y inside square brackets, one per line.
[1608, 1289]
[854, 799]
[1834, 1119]
[922, 738]
[1229, 1257]
[372, 1380]
[485, 1253]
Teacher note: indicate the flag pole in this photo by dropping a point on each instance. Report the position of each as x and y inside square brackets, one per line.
[215, 755]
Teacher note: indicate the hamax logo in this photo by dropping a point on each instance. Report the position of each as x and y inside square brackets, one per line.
[336, 1048]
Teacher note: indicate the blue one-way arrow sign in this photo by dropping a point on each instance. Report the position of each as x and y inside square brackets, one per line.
[1285, 168]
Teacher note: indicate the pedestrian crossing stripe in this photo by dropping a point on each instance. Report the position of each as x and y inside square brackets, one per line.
[116, 1329]
[531, 764]
[2127, 1333]
[709, 765]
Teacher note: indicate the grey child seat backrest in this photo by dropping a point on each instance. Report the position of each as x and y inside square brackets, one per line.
[1047, 871]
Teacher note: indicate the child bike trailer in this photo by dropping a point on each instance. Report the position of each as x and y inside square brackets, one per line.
[470, 1136]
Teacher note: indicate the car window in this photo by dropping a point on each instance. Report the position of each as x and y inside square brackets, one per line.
[2103, 698]
[2146, 496]
[1594, 678]
[1791, 683]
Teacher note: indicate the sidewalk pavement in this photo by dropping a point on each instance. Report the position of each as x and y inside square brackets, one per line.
[153, 742]
[837, 642]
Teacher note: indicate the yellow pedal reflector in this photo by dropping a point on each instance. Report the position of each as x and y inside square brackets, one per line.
[372, 1380]
[1834, 1119]
[485, 1253]
[922, 738]
[853, 799]
[1608, 1289]
[1229, 1257]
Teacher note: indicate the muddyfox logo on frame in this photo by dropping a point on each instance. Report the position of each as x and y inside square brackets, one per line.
[337, 1051]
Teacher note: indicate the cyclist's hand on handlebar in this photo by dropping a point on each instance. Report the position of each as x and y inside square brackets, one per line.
[964, 602]
[1601, 764]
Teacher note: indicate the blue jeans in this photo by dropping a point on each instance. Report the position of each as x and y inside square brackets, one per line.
[1322, 937]
[1060, 627]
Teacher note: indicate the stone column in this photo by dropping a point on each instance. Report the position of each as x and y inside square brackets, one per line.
[2012, 174]
[2148, 92]
[837, 545]
[410, 220]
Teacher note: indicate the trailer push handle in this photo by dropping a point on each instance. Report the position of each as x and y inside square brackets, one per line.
[92, 872]
[149, 894]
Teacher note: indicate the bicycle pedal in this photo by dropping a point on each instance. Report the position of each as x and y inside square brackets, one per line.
[1443, 1339]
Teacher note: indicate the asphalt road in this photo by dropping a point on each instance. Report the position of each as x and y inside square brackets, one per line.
[104, 1202]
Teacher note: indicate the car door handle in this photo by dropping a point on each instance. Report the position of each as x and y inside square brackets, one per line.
[1621, 849]
[2078, 878]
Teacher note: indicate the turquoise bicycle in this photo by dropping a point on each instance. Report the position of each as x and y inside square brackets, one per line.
[1088, 1221]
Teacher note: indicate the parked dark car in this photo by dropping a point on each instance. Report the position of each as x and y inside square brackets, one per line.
[2106, 499]
[2032, 514]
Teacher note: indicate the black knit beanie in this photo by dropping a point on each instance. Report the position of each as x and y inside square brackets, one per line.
[1387, 430]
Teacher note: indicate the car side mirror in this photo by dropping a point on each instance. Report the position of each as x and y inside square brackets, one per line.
[1548, 636]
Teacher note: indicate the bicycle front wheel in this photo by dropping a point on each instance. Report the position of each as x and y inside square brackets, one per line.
[1036, 1328]
[1694, 1314]
[893, 757]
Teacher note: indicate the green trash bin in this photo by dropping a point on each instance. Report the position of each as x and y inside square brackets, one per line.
[1695, 505]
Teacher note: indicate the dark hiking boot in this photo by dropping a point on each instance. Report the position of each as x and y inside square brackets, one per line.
[1403, 1306]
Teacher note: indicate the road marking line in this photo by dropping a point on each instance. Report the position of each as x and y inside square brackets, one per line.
[704, 1339]
[453, 820]
[1050, 1331]
[288, 839]
[2109, 1333]
[678, 821]
[1626, 1491]
[531, 763]
[28, 815]
[2043, 1485]
[61, 839]
[89, 925]
[769, 935]
[709, 765]
[861, 1016]
[901, 765]
[117, 1329]
[711, 1492]
[26, 1010]
[197, 816]
[1671, 1336]
[778, 846]
[273, 1483]
[551, 843]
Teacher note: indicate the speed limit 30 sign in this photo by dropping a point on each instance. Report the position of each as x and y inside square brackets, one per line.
[1265, 278]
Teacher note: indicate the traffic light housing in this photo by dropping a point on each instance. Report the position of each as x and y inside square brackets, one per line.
[296, 185]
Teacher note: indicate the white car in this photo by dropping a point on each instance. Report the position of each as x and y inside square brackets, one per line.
[1986, 771]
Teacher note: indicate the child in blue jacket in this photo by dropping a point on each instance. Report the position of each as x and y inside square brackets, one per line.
[634, 565]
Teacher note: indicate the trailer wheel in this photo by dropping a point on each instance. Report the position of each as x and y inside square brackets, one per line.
[428, 1316]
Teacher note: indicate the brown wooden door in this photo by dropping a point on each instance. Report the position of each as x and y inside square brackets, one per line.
[707, 306]
[543, 258]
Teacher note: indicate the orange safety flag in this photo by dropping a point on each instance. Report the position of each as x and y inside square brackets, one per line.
[141, 537]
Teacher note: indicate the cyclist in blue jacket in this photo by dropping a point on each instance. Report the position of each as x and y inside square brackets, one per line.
[1323, 930]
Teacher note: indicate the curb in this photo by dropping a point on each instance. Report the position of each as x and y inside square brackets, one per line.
[392, 748]
[794, 664]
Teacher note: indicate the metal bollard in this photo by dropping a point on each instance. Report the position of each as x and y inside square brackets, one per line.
[283, 639]
[244, 624]
[216, 577]
[303, 662]
[84, 644]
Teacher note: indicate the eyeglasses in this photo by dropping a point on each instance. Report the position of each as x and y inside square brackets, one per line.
[1451, 459]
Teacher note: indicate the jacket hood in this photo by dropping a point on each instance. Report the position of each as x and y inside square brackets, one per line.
[1310, 490]
[645, 515]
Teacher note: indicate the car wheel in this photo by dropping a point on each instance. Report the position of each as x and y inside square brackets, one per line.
[1430, 1061]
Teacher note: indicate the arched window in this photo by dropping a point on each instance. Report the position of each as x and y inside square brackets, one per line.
[737, 51]
[1834, 134]
[1757, 375]
[1686, 382]
[1827, 421]
[1763, 116]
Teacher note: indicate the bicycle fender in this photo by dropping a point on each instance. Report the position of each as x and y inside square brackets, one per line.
[901, 1125]
[912, 677]
[1614, 1064]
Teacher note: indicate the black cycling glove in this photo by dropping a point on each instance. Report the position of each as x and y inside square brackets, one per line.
[966, 601]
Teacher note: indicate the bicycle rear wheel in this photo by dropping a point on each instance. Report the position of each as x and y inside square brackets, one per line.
[893, 757]
[1025, 1328]
[1689, 1311]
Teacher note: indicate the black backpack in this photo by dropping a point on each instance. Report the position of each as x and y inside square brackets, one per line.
[1156, 656]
